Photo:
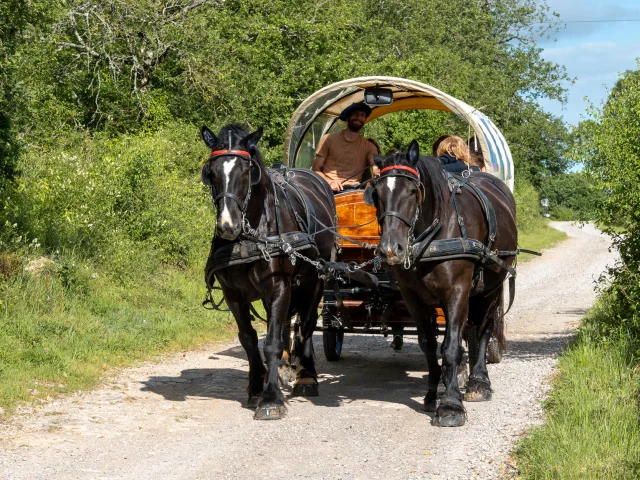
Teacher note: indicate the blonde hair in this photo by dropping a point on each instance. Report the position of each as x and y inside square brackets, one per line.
[475, 153]
[454, 146]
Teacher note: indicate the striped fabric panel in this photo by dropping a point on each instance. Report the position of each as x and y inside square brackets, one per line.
[500, 154]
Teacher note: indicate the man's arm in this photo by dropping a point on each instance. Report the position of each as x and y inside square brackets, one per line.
[372, 151]
[318, 164]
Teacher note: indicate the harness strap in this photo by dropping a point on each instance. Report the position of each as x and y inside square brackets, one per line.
[452, 248]
[277, 205]
[309, 211]
[489, 211]
[249, 251]
[463, 230]
[217, 306]
[307, 226]
[425, 238]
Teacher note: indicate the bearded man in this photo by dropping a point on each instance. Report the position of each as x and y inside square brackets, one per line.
[342, 157]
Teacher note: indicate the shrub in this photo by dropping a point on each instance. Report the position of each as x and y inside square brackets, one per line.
[563, 213]
[128, 203]
[608, 145]
[527, 206]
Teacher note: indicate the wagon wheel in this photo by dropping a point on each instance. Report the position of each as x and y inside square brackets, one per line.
[332, 342]
[494, 349]
[494, 352]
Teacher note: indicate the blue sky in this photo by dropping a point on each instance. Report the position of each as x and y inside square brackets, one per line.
[593, 53]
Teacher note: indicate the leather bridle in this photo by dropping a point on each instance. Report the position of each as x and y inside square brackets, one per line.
[414, 177]
[243, 155]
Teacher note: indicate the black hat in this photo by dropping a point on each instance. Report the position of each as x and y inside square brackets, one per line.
[355, 107]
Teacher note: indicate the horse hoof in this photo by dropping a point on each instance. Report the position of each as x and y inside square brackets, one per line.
[449, 421]
[430, 406]
[273, 412]
[477, 396]
[397, 343]
[477, 392]
[300, 390]
[253, 402]
[430, 402]
[286, 375]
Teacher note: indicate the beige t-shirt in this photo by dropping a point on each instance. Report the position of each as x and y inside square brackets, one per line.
[339, 158]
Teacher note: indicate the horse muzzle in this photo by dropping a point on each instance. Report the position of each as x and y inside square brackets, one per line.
[227, 231]
[391, 252]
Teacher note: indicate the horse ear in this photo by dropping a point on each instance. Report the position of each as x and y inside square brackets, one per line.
[370, 195]
[205, 174]
[251, 140]
[209, 137]
[413, 153]
[378, 161]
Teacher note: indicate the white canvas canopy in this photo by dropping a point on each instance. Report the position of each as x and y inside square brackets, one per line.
[319, 112]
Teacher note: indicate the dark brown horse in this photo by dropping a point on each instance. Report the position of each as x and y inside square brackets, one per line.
[256, 209]
[411, 193]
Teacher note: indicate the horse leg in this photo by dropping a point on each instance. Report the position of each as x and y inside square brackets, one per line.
[286, 370]
[482, 313]
[307, 379]
[428, 342]
[249, 340]
[451, 412]
[271, 406]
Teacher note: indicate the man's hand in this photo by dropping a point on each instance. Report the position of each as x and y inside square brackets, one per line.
[336, 186]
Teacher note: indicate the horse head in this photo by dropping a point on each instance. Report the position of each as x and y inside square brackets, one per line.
[397, 195]
[235, 165]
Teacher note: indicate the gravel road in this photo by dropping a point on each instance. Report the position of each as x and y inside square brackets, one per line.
[183, 418]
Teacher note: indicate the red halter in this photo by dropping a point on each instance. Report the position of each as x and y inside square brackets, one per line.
[400, 167]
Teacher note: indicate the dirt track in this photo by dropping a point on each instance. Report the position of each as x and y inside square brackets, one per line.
[183, 418]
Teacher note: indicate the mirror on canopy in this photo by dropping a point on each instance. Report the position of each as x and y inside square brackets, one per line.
[377, 96]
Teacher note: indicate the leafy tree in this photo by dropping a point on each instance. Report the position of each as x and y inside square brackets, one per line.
[572, 196]
[539, 143]
[122, 65]
[121, 70]
[608, 145]
[15, 16]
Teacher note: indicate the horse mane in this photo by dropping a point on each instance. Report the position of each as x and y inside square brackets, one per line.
[431, 175]
[238, 132]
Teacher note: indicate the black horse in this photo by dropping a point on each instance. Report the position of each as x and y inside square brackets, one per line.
[257, 208]
[410, 194]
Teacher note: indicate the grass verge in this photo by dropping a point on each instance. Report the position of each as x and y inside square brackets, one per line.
[593, 425]
[537, 238]
[65, 327]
